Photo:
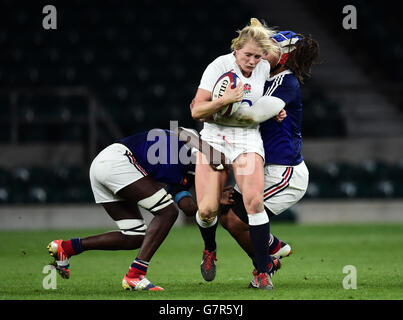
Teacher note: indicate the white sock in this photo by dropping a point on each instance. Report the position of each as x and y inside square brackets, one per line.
[258, 218]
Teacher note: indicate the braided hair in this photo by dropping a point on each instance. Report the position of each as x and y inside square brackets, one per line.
[301, 60]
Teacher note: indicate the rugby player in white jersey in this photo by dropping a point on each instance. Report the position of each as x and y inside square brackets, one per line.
[242, 145]
[286, 175]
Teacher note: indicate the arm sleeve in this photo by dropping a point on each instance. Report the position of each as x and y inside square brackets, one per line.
[210, 76]
[263, 109]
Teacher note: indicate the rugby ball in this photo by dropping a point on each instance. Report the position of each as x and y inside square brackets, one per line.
[219, 88]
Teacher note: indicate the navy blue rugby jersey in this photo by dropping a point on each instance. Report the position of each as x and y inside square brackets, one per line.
[283, 141]
[157, 152]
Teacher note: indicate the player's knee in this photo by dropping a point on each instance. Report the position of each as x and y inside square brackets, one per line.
[156, 202]
[170, 213]
[253, 202]
[132, 227]
[207, 213]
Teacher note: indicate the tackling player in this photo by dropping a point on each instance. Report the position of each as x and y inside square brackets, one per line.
[128, 174]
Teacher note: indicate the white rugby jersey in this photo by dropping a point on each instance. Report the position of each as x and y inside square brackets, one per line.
[253, 86]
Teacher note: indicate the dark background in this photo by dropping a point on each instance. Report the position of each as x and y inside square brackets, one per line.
[114, 68]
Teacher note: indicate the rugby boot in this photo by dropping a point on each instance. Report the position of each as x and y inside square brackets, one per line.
[263, 281]
[275, 266]
[138, 284]
[61, 260]
[284, 250]
[208, 265]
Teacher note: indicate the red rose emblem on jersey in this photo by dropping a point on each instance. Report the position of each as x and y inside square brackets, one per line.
[246, 88]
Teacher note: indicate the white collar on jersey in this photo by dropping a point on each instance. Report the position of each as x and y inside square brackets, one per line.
[279, 74]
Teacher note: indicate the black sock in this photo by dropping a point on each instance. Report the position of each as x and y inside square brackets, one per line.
[259, 235]
[208, 235]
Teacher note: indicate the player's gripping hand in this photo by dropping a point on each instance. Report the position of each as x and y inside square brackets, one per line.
[232, 95]
[281, 116]
[226, 196]
[215, 158]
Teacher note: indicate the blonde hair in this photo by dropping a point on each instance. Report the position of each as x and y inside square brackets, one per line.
[259, 33]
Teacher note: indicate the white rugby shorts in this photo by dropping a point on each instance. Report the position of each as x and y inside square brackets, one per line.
[113, 168]
[284, 186]
[234, 141]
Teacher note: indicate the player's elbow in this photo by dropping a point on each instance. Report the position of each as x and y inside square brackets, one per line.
[276, 104]
[267, 107]
[196, 114]
[199, 114]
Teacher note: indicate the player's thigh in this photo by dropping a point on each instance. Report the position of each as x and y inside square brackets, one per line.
[209, 183]
[248, 172]
[130, 195]
[150, 195]
[249, 176]
[122, 210]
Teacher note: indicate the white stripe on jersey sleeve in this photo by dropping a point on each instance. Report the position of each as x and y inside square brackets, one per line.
[277, 82]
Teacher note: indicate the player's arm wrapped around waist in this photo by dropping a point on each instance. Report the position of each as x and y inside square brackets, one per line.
[264, 108]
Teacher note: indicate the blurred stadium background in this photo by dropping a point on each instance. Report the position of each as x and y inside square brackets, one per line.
[113, 68]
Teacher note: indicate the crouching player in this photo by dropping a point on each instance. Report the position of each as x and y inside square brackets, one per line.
[124, 176]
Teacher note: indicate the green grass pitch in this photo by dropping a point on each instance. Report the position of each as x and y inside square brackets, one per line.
[313, 271]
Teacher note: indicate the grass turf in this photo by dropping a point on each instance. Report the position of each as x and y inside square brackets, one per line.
[313, 271]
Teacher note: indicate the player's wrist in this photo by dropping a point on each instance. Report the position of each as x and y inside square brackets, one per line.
[224, 101]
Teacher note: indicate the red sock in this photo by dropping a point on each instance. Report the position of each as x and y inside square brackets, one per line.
[68, 248]
[137, 269]
[72, 247]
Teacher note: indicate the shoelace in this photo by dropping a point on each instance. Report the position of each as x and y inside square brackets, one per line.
[273, 267]
[263, 279]
[209, 258]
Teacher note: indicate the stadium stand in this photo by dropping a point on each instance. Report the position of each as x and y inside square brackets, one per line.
[113, 68]
[132, 57]
[371, 179]
[386, 31]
